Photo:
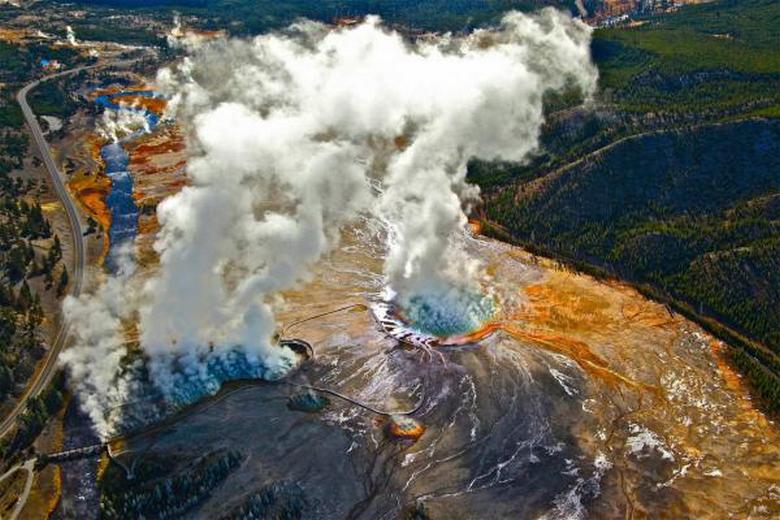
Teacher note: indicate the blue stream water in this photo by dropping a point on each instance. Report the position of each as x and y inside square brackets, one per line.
[124, 211]
[187, 387]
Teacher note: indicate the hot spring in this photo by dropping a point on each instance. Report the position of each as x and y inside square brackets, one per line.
[529, 415]
[428, 321]
[455, 313]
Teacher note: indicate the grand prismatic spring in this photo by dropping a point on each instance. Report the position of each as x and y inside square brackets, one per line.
[576, 395]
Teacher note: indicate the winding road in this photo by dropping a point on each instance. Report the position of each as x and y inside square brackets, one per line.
[45, 374]
[29, 467]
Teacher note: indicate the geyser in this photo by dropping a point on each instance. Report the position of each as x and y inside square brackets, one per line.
[292, 135]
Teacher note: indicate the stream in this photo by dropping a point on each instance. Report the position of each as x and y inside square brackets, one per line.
[124, 211]
[80, 495]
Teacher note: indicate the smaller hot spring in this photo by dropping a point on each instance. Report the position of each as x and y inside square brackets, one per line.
[183, 384]
[454, 313]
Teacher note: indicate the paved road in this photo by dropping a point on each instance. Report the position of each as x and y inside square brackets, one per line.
[29, 467]
[44, 376]
[77, 271]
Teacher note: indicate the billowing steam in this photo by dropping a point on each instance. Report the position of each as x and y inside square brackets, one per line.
[176, 34]
[294, 134]
[94, 360]
[70, 35]
[115, 125]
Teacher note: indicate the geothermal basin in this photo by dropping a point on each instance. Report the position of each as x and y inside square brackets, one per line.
[584, 399]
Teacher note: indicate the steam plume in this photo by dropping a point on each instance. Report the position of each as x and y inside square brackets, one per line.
[70, 35]
[94, 361]
[293, 134]
[115, 125]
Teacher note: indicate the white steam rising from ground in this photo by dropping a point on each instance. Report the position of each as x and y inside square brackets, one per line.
[294, 134]
[70, 35]
[115, 125]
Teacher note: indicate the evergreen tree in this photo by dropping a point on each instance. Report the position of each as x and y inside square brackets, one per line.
[15, 264]
[6, 380]
[48, 279]
[25, 299]
[56, 248]
[63, 283]
[35, 314]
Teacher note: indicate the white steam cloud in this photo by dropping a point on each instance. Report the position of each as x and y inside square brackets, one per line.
[176, 34]
[94, 361]
[294, 134]
[70, 35]
[114, 125]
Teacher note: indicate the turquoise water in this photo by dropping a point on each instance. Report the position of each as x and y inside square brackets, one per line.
[186, 383]
[453, 314]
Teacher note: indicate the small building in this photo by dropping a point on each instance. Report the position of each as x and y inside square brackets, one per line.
[50, 64]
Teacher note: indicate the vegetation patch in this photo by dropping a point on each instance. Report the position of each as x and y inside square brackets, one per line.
[158, 491]
[280, 500]
[694, 214]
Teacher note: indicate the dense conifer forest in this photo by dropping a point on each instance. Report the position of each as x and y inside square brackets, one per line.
[670, 178]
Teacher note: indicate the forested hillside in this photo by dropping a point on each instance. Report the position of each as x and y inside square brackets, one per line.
[255, 16]
[30, 253]
[671, 178]
[25, 254]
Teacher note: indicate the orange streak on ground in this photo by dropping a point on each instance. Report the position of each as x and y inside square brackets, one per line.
[15, 35]
[91, 192]
[164, 151]
[49, 207]
[54, 500]
[562, 314]
[735, 383]
[578, 351]
[157, 163]
[560, 305]
[730, 377]
[581, 353]
[56, 496]
[207, 34]
[475, 226]
[116, 89]
[148, 225]
[145, 152]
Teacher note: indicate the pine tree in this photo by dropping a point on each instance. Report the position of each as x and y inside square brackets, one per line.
[6, 380]
[35, 314]
[48, 279]
[56, 248]
[63, 283]
[15, 264]
[25, 297]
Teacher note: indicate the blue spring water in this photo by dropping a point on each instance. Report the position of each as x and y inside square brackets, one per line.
[188, 387]
[450, 315]
[124, 211]
[234, 365]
